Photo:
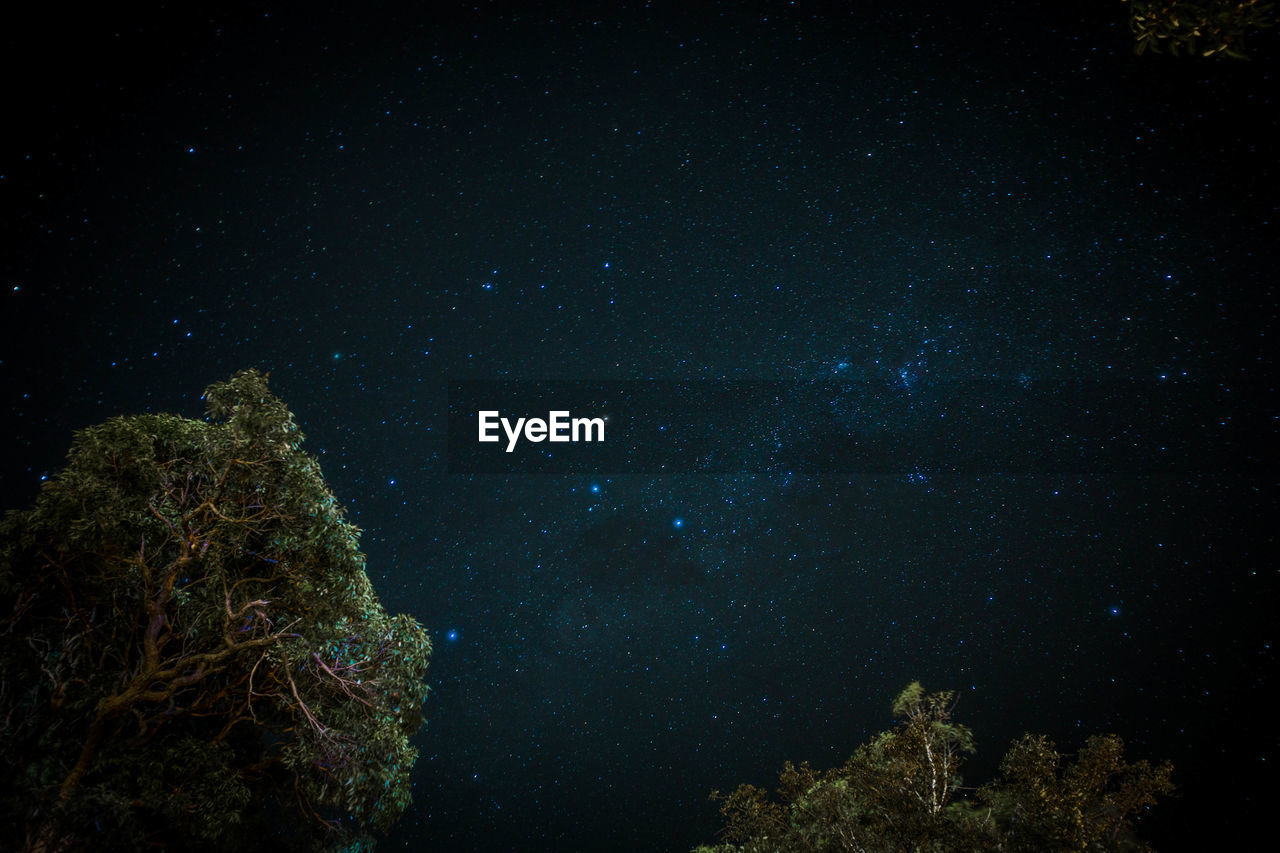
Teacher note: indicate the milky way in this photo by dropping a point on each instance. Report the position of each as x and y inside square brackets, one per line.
[1009, 286]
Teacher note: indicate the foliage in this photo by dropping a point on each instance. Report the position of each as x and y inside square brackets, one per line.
[1198, 27]
[899, 792]
[192, 652]
[1084, 806]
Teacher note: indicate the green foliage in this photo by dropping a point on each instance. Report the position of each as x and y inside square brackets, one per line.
[909, 700]
[1198, 27]
[899, 792]
[1083, 806]
[192, 652]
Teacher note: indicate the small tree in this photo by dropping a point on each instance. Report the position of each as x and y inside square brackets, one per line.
[932, 745]
[192, 650]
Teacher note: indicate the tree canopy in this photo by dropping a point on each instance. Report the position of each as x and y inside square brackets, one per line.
[192, 652]
[902, 791]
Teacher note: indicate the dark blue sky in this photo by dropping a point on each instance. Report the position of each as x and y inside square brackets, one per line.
[912, 203]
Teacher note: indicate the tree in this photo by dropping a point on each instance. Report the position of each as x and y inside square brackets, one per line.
[192, 651]
[899, 793]
[929, 740]
[1198, 27]
[1087, 805]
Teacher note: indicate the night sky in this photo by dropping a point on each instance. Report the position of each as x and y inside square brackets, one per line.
[903, 220]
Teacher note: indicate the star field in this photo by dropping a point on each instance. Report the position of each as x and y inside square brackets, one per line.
[964, 240]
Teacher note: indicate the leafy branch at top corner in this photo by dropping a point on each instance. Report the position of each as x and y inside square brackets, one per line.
[1198, 27]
